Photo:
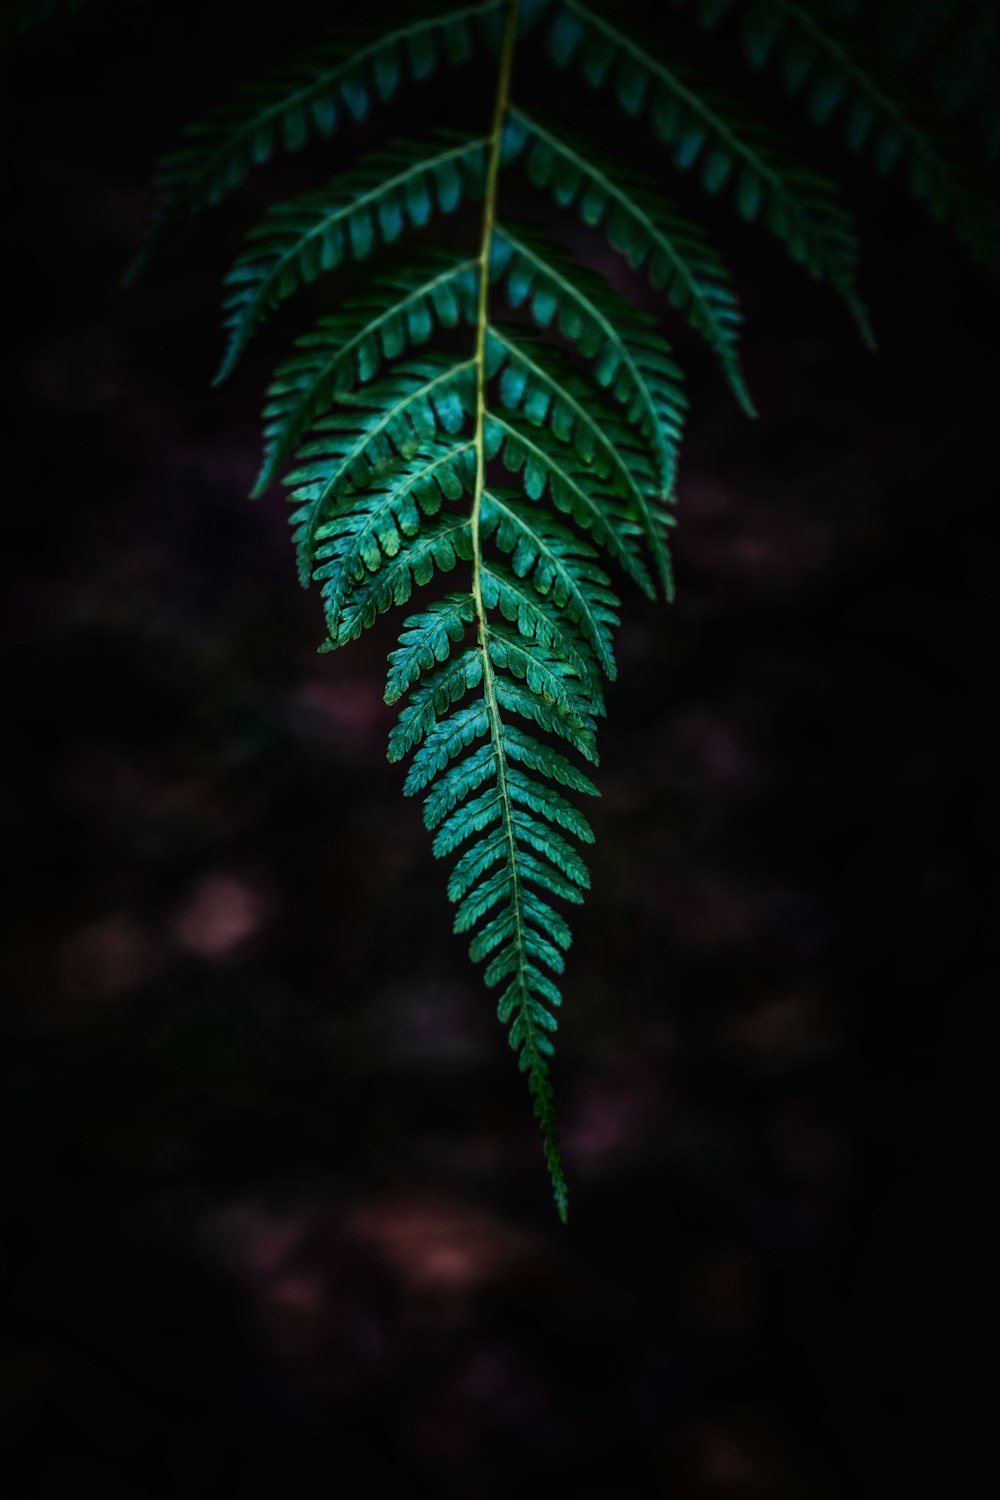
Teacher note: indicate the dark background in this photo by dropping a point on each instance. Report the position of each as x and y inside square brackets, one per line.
[278, 1220]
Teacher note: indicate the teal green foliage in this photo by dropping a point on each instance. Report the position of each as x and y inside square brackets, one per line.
[629, 358]
[351, 346]
[715, 136]
[538, 384]
[498, 414]
[553, 591]
[640, 223]
[377, 445]
[824, 53]
[490, 788]
[332, 84]
[358, 213]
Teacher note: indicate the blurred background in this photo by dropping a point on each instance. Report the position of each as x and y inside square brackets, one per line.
[277, 1216]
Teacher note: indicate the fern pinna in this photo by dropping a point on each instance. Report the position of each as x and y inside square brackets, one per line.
[506, 478]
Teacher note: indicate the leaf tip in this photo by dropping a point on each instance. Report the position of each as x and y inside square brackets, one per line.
[746, 401]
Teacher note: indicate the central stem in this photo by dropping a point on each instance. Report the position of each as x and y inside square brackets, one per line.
[536, 1065]
[482, 326]
[483, 314]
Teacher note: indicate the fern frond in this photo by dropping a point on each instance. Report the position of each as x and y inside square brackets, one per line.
[823, 66]
[631, 362]
[711, 134]
[518, 859]
[643, 227]
[309, 98]
[573, 489]
[386, 430]
[358, 586]
[397, 441]
[550, 396]
[554, 577]
[359, 211]
[350, 347]
[427, 639]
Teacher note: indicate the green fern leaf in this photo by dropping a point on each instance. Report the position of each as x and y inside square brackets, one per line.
[551, 396]
[437, 548]
[643, 227]
[391, 424]
[373, 528]
[350, 348]
[546, 470]
[630, 361]
[710, 133]
[426, 639]
[400, 412]
[308, 99]
[824, 67]
[553, 576]
[391, 191]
